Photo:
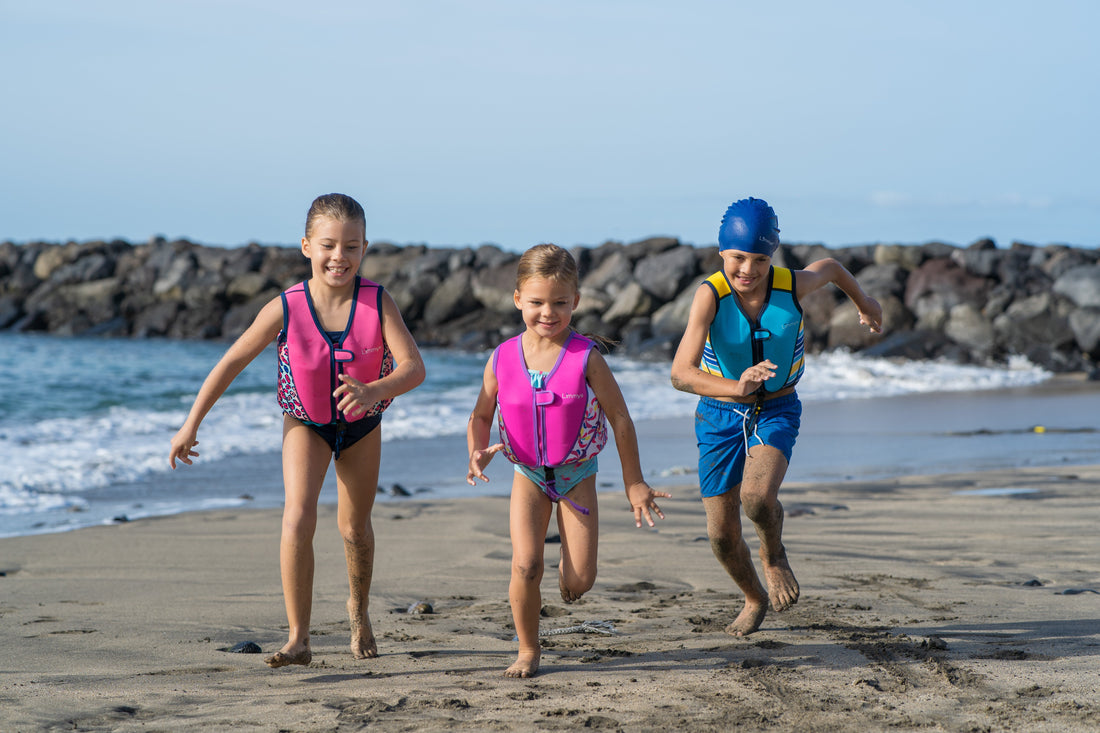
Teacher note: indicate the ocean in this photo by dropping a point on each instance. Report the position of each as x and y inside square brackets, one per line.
[85, 426]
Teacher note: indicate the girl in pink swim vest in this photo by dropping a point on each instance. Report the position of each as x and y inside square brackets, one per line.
[552, 390]
[344, 353]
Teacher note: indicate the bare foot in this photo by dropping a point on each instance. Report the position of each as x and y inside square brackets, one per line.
[782, 586]
[526, 665]
[363, 645]
[285, 657]
[567, 595]
[749, 620]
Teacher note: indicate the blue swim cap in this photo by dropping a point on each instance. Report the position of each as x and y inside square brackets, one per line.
[749, 225]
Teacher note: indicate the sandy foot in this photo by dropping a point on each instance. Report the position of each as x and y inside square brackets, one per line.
[782, 587]
[749, 620]
[526, 665]
[285, 658]
[363, 645]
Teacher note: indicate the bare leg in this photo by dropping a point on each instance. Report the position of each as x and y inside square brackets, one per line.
[728, 545]
[529, 514]
[580, 534]
[357, 486]
[764, 472]
[305, 460]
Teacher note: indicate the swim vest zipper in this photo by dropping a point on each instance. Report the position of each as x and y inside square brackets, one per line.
[541, 398]
[337, 355]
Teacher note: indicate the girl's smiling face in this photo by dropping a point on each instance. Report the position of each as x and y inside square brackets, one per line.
[335, 248]
[547, 305]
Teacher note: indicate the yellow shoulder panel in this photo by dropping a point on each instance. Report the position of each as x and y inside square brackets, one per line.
[720, 284]
[783, 279]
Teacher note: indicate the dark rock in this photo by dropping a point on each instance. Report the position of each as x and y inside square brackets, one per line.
[10, 310]
[1085, 324]
[611, 275]
[631, 301]
[242, 647]
[494, 286]
[1081, 285]
[649, 247]
[665, 274]
[937, 286]
[454, 297]
[974, 304]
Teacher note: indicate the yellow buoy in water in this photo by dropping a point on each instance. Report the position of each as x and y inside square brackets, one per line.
[1039, 429]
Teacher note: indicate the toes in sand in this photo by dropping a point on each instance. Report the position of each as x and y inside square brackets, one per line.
[526, 665]
[567, 595]
[782, 586]
[363, 645]
[287, 658]
[749, 620]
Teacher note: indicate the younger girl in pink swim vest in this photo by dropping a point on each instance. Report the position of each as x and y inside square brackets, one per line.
[555, 395]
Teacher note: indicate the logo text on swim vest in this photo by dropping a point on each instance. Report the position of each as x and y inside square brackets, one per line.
[573, 396]
[371, 349]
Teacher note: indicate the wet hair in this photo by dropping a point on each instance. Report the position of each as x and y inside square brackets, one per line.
[337, 206]
[548, 261]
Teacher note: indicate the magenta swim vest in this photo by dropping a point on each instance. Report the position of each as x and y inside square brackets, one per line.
[558, 424]
[310, 360]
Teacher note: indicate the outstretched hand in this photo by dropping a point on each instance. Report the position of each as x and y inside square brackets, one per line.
[183, 448]
[479, 459]
[642, 501]
[871, 315]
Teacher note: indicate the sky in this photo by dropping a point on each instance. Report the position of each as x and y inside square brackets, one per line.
[575, 121]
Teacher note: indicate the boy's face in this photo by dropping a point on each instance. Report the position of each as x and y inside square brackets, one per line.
[747, 272]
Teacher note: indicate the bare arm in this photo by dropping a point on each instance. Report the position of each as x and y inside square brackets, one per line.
[606, 389]
[821, 273]
[408, 373]
[686, 374]
[254, 340]
[480, 425]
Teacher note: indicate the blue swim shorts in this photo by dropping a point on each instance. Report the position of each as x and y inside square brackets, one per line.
[724, 441]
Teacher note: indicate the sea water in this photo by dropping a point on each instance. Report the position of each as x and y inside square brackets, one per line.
[85, 424]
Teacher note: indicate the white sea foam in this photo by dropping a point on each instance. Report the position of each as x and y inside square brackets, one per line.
[56, 459]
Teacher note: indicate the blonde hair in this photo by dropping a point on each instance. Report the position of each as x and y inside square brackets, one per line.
[547, 261]
[336, 206]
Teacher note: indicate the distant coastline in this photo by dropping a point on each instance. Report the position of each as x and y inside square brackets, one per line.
[978, 304]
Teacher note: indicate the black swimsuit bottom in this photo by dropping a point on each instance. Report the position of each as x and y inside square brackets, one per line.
[343, 435]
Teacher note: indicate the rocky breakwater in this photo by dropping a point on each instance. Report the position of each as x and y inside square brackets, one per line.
[975, 304]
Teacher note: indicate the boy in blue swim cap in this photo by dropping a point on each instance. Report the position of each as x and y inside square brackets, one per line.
[743, 353]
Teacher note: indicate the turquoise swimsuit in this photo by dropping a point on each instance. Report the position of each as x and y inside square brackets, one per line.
[557, 482]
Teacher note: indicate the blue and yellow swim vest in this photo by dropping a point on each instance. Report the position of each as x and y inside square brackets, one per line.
[735, 342]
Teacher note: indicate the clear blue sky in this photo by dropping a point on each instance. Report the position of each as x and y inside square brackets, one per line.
[575, 122]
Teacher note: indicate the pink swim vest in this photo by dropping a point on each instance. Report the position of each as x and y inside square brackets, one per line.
[309, 360]
[558, 424]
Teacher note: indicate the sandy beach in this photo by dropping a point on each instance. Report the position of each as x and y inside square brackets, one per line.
[963, 602]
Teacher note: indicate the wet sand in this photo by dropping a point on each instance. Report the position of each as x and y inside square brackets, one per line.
[956, 602]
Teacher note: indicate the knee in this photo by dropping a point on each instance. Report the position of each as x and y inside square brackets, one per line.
[724, 533]
[356, 533]
[527, 569]
[724, 545]
[299, 522]
[760, 509]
